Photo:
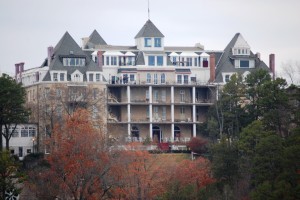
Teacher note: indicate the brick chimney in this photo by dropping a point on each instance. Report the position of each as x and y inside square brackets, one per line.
[99, 59]
[272, 64]
[17, 69]
[21, 65]
[212, 67]
[50, 51]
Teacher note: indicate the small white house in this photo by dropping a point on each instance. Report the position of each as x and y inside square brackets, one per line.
[23, 139]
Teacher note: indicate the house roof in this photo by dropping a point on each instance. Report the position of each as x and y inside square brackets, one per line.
[67, 47]
[96, 39]
[149, 30]
[226, 61]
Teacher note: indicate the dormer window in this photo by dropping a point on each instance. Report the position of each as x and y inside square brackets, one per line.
[147, 42]
[74, 62]
[244, 64]
[157, 42]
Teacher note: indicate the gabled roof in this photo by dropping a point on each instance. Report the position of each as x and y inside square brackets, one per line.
[149, 30]
[96, 39]
[226, 63]
[67, 47]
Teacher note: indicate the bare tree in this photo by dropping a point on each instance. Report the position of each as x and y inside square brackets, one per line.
[291, 69]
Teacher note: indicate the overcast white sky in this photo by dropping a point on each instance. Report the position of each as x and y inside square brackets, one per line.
[28, 27]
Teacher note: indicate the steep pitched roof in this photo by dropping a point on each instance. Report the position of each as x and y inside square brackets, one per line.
[67, 47]
[96, 39]
[67, 44]
[149, 30]
[226, 63]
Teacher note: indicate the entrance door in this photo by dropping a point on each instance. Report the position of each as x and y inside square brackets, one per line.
[156, 134]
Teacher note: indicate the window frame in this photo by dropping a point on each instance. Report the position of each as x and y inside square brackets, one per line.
[157, 42]
[147, 42]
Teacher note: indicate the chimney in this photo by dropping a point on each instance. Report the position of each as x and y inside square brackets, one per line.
[272, 64]
[17, 69]
[50, 51]
[212, 66]
[99, 59]
[37, 77]
[21, 65]
[258, 55]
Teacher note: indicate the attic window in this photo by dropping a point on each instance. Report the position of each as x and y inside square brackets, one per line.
[147, 42]
[71, 52]
[74, 62]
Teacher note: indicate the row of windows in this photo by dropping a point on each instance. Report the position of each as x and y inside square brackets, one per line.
[77, 62]
[241, 51]
[148, 42]
[189, 61]
[61, 76]
[156, 78]
[155, 60]
[26, 131]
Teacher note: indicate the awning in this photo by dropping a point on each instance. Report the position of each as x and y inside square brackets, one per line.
[182, 71]
[174, 54]
[129, 53]
[127, 70]
[113, 53]
[188, 54]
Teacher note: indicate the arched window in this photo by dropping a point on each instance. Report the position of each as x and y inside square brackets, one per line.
[163, 78]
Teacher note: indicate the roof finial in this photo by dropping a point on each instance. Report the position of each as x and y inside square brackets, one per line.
[148, 10]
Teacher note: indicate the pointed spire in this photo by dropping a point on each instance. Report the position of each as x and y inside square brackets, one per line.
[96, 39]
[67, 44]
[149, 30]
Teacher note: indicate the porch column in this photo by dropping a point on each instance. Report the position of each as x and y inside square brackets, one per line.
[128, 110]
[150, 111]
[194, 112]
[172, 113]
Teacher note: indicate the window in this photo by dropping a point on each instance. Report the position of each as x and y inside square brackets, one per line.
[244, 63]
[131, 77]
[160, 60]
[130, 60]
[147, 94]
[163, 96]
[179, 79]
[97, 77]
[147, 113]
[113, 60]
[155, 96]
[91, 77]
[164, 113]
[24, 132]
[58, 92]
[239, 51]
[155, 79]
[182, 96]
[196, 62]
[162, 78]
[74, 62]
[189, 61]
[95, 93]
[155, 108]
[32, 131]
[186, 79]
[157, 42]
[55, 77]
[182, 110]
[148, 78]
[76, 77]
[151, 60]
[61, 76]
[174, 60]
[107, 60]
[15, 133]
[20, 151]
[227, 78]
[147, 42]
[59, 110]
[205, 62]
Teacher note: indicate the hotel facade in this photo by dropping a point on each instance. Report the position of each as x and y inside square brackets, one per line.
[148, 91]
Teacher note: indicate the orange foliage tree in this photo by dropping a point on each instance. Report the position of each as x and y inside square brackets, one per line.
[80, 165]
[141, 175]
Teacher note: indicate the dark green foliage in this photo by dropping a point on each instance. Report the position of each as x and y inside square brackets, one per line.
[12, 109]
[10, 176]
